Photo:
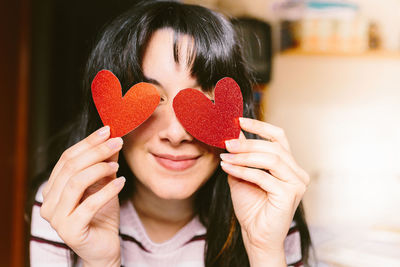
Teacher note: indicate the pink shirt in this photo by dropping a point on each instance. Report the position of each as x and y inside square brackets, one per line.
[185, 248]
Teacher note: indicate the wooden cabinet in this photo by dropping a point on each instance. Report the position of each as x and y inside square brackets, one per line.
[14, 76]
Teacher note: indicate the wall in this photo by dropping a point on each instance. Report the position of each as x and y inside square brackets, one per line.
[341, 115]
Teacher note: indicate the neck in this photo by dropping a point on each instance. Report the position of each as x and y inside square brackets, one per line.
[161, 218]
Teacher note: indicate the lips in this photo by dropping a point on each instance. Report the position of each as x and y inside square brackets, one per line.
[176, 162]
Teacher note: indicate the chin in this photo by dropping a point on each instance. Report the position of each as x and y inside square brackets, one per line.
[174, 190]
[174, 196]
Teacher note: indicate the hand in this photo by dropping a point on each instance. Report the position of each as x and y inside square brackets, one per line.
[266, 186]
[80, 199]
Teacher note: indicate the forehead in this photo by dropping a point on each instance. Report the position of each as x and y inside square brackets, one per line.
[169, 49]
[161, 67]
[166, 47]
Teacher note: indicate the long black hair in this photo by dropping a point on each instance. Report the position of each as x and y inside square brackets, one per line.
[216, 53]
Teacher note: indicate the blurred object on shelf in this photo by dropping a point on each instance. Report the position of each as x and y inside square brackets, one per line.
[259, 100]
[374, 37]
[289, 35]
[313, 9]
[328, 26]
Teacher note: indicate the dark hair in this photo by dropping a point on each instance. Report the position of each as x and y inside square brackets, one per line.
[216, 54]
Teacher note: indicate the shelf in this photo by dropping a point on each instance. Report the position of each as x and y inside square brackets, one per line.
[368, 54]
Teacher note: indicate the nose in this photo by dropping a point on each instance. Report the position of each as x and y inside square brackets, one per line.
[173, 132]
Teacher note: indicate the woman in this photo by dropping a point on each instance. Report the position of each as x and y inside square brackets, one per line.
[179, 203]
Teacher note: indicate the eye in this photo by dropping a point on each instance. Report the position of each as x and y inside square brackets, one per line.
[162, 99]
[210, 96]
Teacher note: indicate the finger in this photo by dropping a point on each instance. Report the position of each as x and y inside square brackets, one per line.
[261, 178]
[262, 146]
[89, 157]
[242, 136]
[113, 158]
[101, 152]
[100, 184]
[85, 212]
[76, 185]
[92, 140]
[265, 130]
[266, 161]
[268, 183]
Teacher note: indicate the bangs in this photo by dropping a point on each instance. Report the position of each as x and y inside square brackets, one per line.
[190, 51]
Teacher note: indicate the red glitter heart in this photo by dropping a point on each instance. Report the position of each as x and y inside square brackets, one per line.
[122, 114]
[211, 123]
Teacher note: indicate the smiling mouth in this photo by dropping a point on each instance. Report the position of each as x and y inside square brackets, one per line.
[176, 163]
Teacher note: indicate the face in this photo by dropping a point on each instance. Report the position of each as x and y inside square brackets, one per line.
[165, 158]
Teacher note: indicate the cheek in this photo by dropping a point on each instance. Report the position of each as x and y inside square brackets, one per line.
[210, 164]
[142, 134]
[213, 155]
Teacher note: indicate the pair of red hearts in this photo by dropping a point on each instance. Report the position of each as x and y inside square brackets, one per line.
[211, 123]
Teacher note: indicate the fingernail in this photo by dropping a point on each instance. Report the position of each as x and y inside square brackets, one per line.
[224, 164]
[226, 156]
[119, 181]
[242, 120]
[113, 165]
[115, 143]
[232, 144]
[103, 130]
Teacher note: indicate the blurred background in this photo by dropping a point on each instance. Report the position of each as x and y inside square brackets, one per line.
[328, 73]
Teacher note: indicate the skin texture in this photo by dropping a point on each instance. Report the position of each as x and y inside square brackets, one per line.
[81, 198]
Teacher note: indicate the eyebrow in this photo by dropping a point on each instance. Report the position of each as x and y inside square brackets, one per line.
[150, 80]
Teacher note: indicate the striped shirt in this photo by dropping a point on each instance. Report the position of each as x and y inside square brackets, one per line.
[185, 248]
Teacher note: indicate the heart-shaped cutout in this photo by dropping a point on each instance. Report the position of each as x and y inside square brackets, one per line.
[122, 114]
[211, 123]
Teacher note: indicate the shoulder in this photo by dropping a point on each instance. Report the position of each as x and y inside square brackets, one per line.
[41, 228]
[293, 246]
[45, 244]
